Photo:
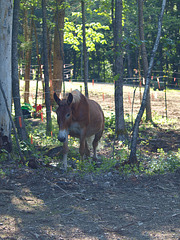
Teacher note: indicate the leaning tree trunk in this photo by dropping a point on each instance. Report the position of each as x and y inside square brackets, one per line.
[85, 61]
[19, 121]
[6, 16]
[58, 59]
[133, 157]
[144, 57]
[46, 74]
[119, 108]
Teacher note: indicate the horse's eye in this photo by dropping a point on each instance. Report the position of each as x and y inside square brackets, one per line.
[67, 115]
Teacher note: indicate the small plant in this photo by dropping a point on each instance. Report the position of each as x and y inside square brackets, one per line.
[2, 173]
[107, 164]
[3, 155]
[47, 160]
[110, 121]
[85, 166]
[164, 162]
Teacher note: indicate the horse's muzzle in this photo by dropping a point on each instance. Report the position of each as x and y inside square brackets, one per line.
[61, 139]
[63, 135]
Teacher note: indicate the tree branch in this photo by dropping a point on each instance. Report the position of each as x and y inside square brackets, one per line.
[133, 158]
[13, 125]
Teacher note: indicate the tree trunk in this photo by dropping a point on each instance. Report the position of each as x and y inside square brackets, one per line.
[37, 51]
[133, 157]
[177, 39]
[98, 59]
[46, 74]
[6, 16]
[58, 60]
[19, 120]
[130, 72]
[128, 50]
[75, 64]
[84, 50]
[28, 39]
[39, 75]
[50, 67]
[119, 108]
[144, 57]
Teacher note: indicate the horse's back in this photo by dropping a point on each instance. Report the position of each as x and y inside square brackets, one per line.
[86, 113]
[96, 123]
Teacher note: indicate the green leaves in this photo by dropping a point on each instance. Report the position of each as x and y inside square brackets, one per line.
[73, 35]
[165, 162]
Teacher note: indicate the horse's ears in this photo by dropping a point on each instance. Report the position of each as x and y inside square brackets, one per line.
[69, 99]
[56, 99]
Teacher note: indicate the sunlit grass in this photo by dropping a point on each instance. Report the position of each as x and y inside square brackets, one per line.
[113, 154]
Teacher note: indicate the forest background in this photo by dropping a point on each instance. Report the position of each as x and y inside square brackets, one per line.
[99, 37]
[68, 26]
[107, 199]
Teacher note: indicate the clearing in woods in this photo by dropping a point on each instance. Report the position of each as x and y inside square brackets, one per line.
[45, 204]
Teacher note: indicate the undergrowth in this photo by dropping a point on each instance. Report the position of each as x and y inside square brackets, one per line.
[159, 163]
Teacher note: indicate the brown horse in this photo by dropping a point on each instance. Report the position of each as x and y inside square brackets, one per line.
[79, 117]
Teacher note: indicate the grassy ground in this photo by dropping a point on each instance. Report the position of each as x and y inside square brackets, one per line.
[160, 141]
[102, 201]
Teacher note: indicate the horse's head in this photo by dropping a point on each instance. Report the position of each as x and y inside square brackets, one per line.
[64, 116]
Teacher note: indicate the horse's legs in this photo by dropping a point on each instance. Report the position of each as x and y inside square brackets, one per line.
[95, 143]
[83, 144]
[87, 152]
[82, 148]
[65, 152]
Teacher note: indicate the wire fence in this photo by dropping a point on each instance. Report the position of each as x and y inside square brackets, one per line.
[163, 102]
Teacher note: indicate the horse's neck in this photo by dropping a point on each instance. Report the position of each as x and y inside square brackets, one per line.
[74, 111]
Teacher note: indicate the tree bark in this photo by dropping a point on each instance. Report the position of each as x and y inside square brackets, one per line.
[58, 60]
[119, 108]
[6, 16]
[144, 57]
[50, 67]
[46, 74]
[128, 50]
[19, 120]
[39, 74]
[85, 60]
[28, 39]
[13, 125]
[133, 157]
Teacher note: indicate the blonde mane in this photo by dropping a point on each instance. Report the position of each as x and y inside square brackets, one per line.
[76, 96]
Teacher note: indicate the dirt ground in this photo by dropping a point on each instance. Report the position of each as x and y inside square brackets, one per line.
[45, 203]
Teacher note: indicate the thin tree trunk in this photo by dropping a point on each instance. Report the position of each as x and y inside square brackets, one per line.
[46, 74]
[50, 68]
[27, 69]
[99, 62]
[144, 57]
[113, 30]
[130, 73]
[119, 108]
[28, 38]
[84, 50]
[37, 51]
[58, 60]
[19, 120]
[133, 157]
[129, 68]
[75, 64]
[39, 75]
